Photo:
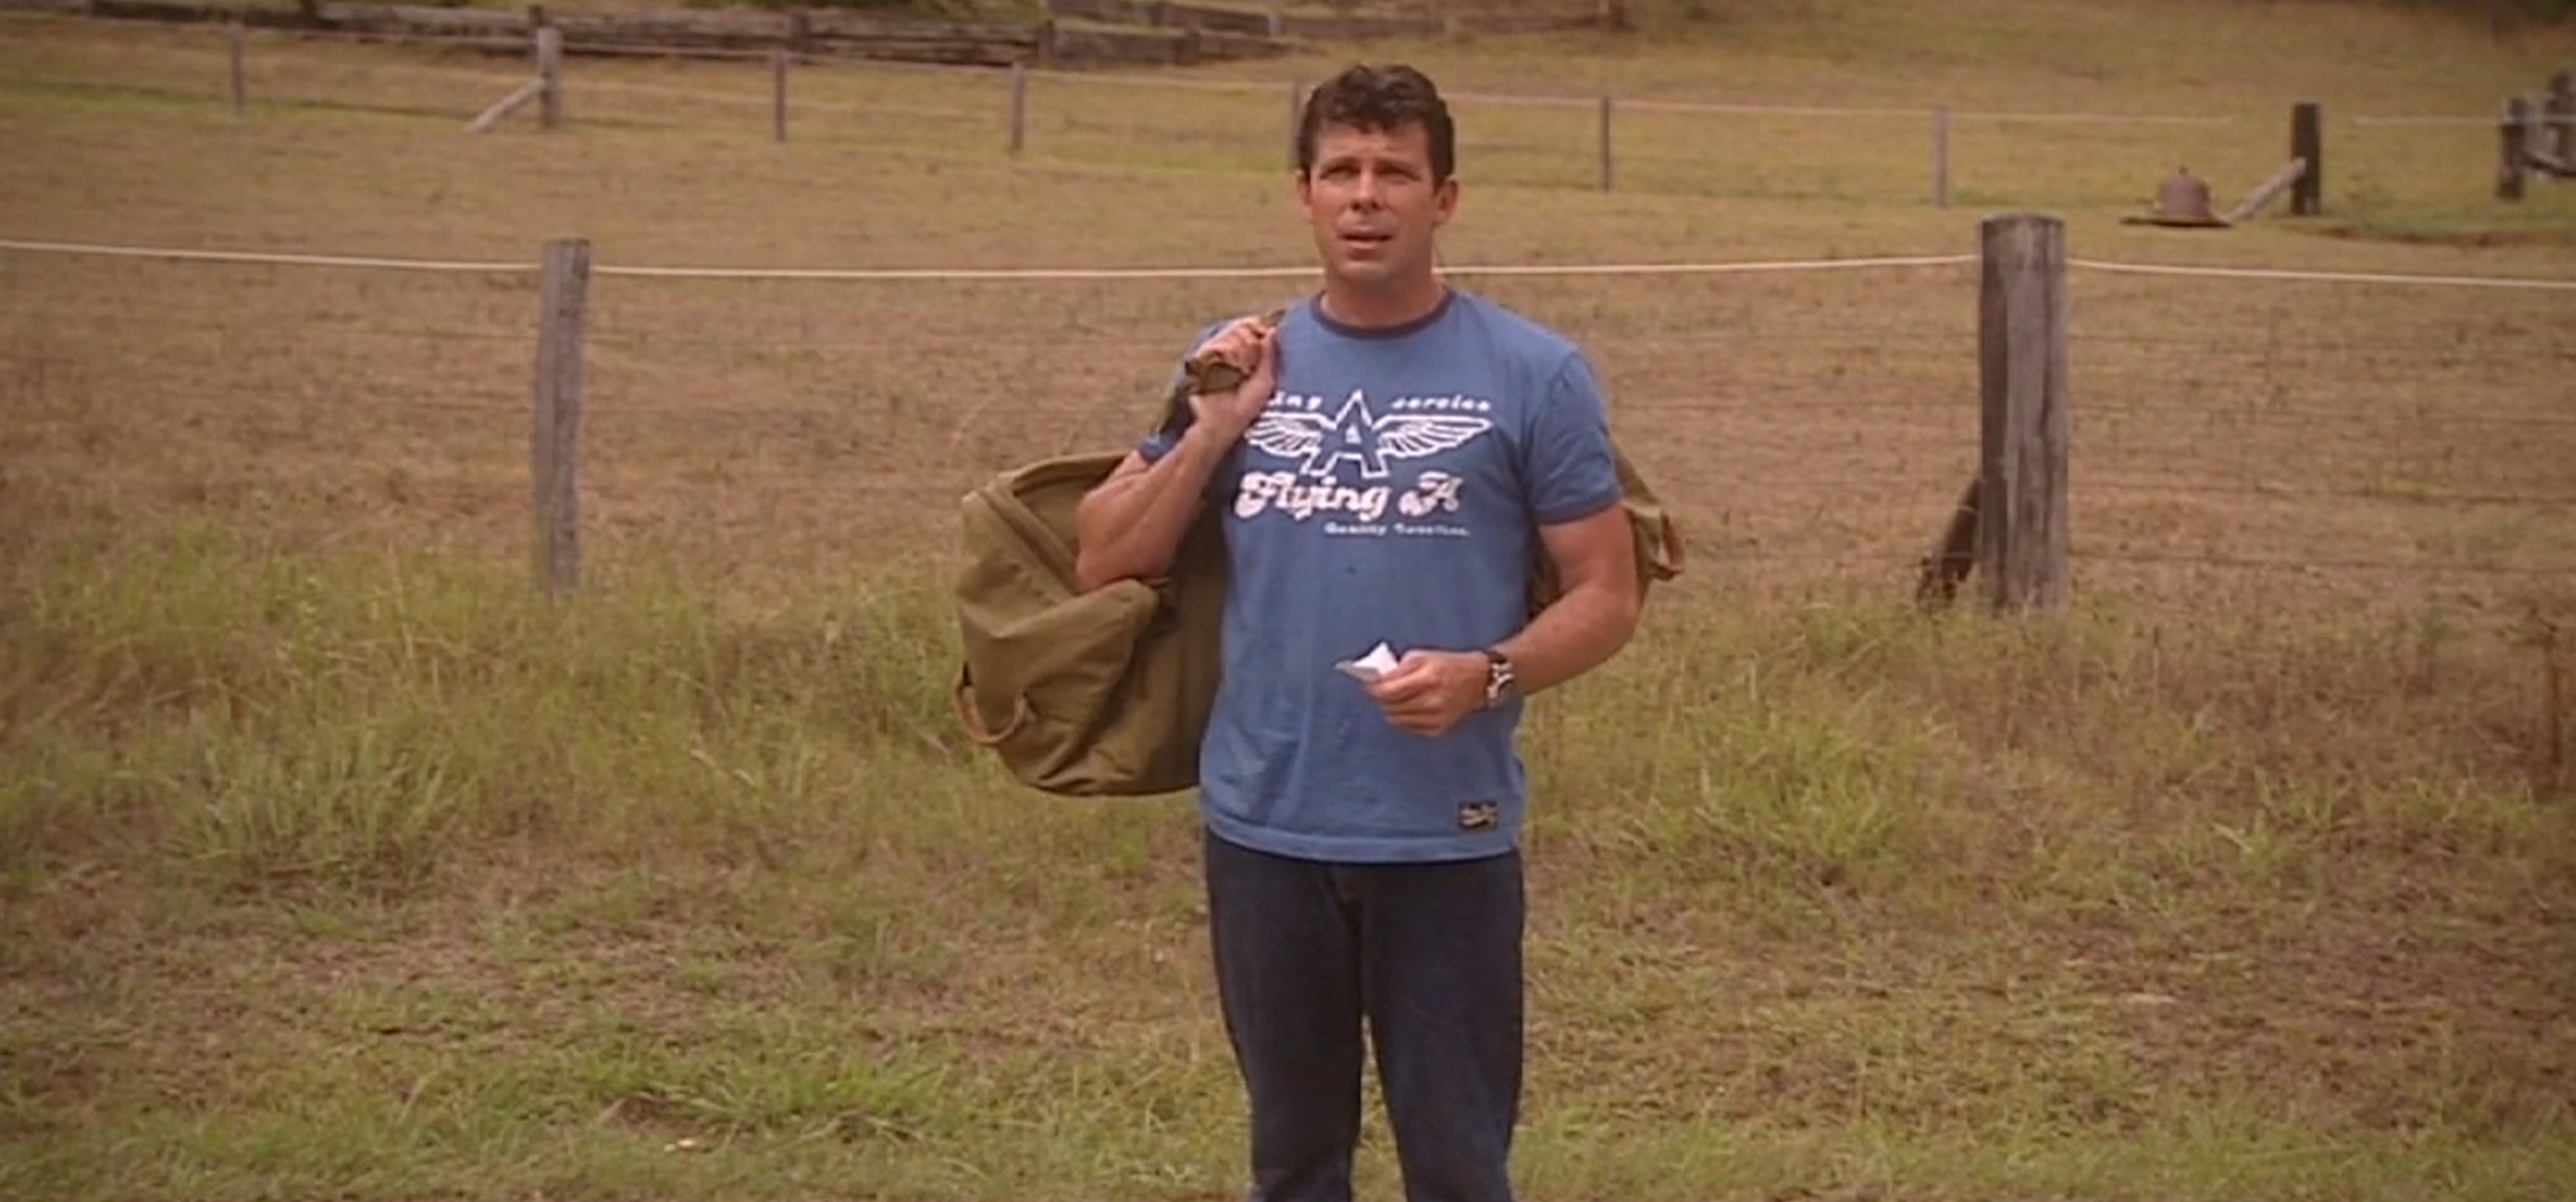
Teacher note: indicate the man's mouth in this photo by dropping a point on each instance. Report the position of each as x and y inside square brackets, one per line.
[1365, 240]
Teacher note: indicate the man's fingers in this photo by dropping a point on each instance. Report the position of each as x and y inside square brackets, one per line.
[1387, 691]
[1248, 350]
[1408, 679]
[1234, 341]
[1269, 352]
[1416, 696]
[1254, 344]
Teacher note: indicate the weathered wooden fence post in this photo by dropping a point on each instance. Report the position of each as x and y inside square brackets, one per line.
[778, 95]
[1296, 112]
[555, 438]
[2021, 513]
[2559, 136]
[2307, 144]
[1605, 141]
[240, 86]
[550, 106]
[1019, 105]
[2511, 168]
[1941, 157]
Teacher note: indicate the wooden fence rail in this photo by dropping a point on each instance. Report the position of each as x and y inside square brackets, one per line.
[682, 33]
[2536, 134]
[1276, 21]
[552, 39]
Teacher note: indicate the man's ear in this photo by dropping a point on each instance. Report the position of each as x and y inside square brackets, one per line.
[1445, 201]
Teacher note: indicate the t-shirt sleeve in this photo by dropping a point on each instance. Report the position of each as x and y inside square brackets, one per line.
[1568, 463]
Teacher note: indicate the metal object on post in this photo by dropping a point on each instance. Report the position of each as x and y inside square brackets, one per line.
[2184, 197]
[2182, 200]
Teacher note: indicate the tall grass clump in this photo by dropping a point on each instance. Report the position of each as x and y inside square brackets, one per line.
[361, 721]
[2072, 764]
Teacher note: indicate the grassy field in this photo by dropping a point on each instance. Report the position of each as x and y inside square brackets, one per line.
[333, 864]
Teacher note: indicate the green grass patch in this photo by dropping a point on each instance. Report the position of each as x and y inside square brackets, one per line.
[387, 877]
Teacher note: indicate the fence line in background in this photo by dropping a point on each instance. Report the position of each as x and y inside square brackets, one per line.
[1524, 99]
[2014, 513]
[956, 274]
[275, 258]
[2009, 523]
[2326, 277]
[2537, 134]
[1527, 99]
[546, 88]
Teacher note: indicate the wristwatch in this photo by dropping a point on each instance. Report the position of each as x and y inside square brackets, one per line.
[1500, 681]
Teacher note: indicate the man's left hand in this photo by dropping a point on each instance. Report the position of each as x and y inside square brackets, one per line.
[1428, 692]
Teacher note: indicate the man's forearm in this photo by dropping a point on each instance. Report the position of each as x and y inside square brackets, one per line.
[1132, 527]
[1578, 632]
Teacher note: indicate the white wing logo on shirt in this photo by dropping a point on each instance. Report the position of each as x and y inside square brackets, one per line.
[1358, 434]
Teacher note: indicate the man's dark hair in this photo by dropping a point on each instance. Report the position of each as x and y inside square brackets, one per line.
[1379, 100]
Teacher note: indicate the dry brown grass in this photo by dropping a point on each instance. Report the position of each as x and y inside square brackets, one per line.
[2357, 441]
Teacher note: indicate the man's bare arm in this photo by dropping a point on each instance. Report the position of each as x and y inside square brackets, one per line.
[1131, 525]
[1597, 611]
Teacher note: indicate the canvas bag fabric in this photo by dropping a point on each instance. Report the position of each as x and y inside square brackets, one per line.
[1107, 693]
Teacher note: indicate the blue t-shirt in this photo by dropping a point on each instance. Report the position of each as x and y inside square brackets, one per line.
[1391, 491]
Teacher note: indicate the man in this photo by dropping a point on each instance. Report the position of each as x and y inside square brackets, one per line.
[1396, 454]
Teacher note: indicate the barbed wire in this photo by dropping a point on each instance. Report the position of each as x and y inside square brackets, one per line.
[2203, 485]
[1847, 485]
[1309, 271]
[2318, 564]
[304, 332]
[2261, 414]
[2322, 277]
[983, 339]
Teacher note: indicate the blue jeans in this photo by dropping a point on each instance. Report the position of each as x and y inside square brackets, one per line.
[1430, 956]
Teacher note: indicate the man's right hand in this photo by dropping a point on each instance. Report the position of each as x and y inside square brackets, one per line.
[1249, 345]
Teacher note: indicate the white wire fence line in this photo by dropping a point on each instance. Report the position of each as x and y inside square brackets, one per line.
[1040, 274]
[1873, 481]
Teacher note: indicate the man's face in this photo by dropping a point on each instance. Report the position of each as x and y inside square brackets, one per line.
[1372, 204]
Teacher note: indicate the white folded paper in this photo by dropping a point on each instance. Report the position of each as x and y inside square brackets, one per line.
[1378, 662]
